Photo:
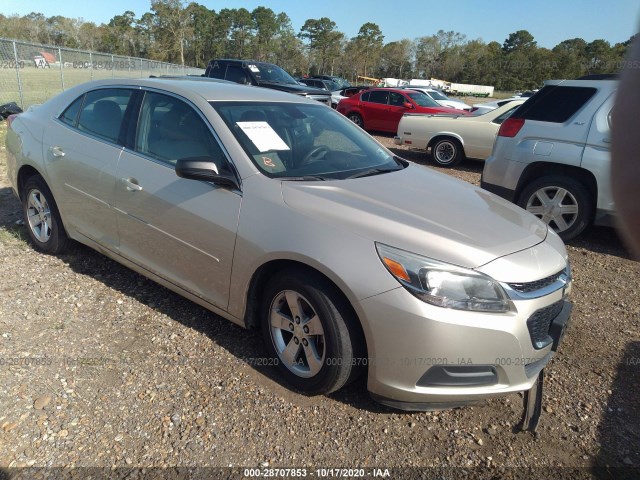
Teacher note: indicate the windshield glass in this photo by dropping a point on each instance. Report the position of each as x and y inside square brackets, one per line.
[267, 72]
[303, 141]
[437, 95]
[422, 99]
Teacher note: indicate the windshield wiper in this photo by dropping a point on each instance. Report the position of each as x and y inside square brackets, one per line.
[373, 171]
[305, 178]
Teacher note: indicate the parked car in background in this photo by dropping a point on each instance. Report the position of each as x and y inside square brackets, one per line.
[340, 81]
[381, 109]
[552, 156]
[450, 139]
[441, 99]
[262, 74]
[482, 108]
[320, 83]
[278, 213]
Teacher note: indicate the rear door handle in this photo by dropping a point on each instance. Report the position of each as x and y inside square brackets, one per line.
[606, 140]
[56, 151]
[131, 184]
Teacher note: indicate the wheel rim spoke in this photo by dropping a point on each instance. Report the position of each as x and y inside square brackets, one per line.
[290, 353]
[313, 359]
[293, 303]
[314, 325]
[280, 320]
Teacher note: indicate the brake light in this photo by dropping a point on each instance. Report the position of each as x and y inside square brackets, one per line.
[510, 127]
[10, 119]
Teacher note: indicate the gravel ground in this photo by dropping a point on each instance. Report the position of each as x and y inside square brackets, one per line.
[102, 367]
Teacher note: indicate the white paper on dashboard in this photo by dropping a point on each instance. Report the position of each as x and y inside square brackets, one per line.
[263, 136]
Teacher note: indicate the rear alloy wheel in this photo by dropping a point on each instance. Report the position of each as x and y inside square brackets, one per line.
[42, 217]
[308, 332]
[357, 119]
[447, 152]
[561, 202]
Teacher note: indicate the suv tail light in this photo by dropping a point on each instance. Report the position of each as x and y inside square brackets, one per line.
[10, 119]
[510, 127]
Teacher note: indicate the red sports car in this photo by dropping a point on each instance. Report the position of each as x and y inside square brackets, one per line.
[382, 108]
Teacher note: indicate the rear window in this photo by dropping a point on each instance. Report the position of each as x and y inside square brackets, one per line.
[555, 103]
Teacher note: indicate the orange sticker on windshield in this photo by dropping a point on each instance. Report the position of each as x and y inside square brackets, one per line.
[268, 162]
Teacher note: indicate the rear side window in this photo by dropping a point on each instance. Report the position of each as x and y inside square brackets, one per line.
[103, 112]
[555, 104]
[70, 115]
[378, 96]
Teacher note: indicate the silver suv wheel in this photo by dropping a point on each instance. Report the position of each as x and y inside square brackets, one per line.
[562, 202]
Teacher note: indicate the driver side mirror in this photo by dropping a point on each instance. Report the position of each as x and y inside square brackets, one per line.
[407, 105]
[205, 168]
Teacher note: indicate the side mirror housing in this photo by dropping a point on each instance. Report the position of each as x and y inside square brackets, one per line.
[407, 105]
[205, 168]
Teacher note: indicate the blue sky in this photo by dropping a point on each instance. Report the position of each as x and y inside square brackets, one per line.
[549, 21]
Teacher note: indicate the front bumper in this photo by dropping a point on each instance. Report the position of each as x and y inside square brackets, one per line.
[424, 357]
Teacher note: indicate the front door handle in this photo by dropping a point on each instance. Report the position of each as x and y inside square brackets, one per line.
[56, 151]
[131, 184]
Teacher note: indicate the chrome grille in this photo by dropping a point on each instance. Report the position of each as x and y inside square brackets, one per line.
[529, 287]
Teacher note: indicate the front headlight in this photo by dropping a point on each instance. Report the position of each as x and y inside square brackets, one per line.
[442, 284]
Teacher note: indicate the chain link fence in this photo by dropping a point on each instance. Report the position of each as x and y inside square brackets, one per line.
[31, 73]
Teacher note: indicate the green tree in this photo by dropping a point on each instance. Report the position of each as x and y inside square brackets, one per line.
[323, 41]
[369, 44]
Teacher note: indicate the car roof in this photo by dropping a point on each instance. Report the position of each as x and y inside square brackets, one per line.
[584, 83]
[209, 91]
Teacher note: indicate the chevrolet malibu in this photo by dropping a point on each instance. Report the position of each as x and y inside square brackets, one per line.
[278, 213]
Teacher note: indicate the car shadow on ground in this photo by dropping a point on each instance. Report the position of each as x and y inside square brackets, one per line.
[245, 345]
[603, 240]
[619, 430]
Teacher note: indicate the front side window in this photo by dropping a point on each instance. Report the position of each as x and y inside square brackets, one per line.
[237, 74]
[103, 112]
[422, 99]
[396, 99]
[302, 141]
[170, 129]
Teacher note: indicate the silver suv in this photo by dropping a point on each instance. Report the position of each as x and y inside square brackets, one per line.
[552, 157]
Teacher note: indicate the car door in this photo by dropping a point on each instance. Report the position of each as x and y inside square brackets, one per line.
[182, 230]
[374, 109]
[82, 147]
[597, 153]
[395, 110]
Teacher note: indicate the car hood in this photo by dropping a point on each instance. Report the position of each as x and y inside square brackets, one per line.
[294, 88]
[421, 211]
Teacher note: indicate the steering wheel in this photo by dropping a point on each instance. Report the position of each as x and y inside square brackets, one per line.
[314, 155]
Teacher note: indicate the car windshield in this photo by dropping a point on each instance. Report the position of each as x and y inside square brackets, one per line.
[267, 72]
[301, 141]
[331, 85]
[437, 95]
[422, 99]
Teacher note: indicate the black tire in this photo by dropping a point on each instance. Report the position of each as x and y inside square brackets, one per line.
[42, 218]
[447, 152]
[357, 119]
[575, 201]
[340, 347]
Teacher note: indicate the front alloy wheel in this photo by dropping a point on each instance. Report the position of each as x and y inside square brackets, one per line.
[297, 334]
[310, 332]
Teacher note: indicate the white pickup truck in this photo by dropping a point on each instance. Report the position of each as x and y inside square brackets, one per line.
[450, 138]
